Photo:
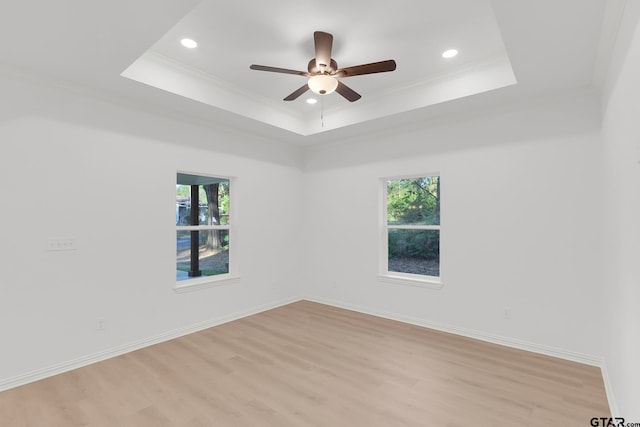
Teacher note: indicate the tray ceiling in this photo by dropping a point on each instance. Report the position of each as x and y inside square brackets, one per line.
[233, 35]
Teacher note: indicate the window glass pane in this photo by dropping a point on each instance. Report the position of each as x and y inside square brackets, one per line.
[214, 206]
[413, 201]
[414, 251]
[183, 255]
[213, 253]
[213, 203]
[183, 205]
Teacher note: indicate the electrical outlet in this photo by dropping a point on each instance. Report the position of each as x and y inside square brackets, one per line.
[100, 323]
[61, 244]
[506, 314]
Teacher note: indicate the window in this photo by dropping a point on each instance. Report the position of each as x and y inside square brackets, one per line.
[202, 227]
[410, 235]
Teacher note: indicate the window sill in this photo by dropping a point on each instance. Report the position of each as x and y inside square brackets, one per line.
[204, 283]
[412, 280]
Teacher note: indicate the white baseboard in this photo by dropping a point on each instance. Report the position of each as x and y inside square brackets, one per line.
[40, 374]
[470, 333]
[613, 406]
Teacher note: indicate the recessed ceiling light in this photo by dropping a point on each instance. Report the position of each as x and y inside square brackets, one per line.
[449, 53]
[191, 44]
[311, 101]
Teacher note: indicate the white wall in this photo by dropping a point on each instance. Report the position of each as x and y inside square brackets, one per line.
[521, 224]
[621, 154]
[105, 174]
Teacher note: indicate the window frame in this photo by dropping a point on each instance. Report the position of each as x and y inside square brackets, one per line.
[394, 277]
[232, 276]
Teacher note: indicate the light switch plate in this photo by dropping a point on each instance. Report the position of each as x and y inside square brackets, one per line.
[61, 244]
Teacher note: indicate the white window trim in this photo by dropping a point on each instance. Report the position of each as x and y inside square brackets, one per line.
[233, 276]
[393, 277]
[205, 282]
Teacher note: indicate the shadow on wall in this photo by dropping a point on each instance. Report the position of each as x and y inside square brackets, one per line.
[28, 96]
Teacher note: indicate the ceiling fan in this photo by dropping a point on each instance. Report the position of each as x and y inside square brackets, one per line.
[324, 72]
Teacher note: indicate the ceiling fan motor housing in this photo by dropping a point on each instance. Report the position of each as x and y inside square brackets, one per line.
[327, 69]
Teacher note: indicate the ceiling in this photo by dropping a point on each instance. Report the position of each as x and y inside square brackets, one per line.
[130, 50]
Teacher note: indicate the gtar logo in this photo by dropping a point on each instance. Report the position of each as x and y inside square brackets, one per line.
[607, 422]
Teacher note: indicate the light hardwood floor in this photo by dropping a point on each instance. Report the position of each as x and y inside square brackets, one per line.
[307, 364]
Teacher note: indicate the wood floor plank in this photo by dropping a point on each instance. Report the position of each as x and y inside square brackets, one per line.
[307, 364]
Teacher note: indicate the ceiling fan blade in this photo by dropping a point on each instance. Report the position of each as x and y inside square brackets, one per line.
[279, 70]
[324, 43]
[350, 94]
[297, 93]
[374, 67]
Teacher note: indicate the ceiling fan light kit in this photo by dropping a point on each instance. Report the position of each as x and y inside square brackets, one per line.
[322, 84]
[323, 71]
